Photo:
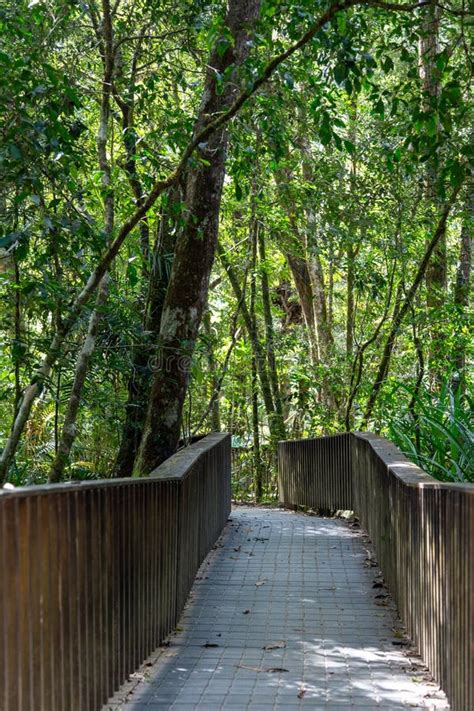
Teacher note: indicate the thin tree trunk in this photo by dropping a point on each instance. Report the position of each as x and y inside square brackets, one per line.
[404, 308]
[211, 361]
[331, 287]
[18, 338]
[351, 251]
[69, 429]
[276, 425]
[315, 267]
[462, 289]
[256, 453]
[129, 138]
[358, 361]
[220, 379]
[146, 359]
[419, 377]
[269, 330]
[257, 461]
[300, 272]
[57, 400]
[187, 292]
[350, 304]
[436, 273]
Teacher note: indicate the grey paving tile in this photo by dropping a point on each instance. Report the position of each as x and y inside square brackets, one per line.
[303, 585]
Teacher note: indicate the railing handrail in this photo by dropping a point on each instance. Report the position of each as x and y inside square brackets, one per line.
[182, 461]
[416, 477]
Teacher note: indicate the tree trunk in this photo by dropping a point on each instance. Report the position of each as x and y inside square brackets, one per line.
[269, 330]
[275, 423]
[17, 349]
[69, 429]
[404, 308]
[436, 273]
[350, 306]
[315, 267]
[145, 357]
[187, 292]
[300, 272]
[257, 461]
[462, 289]
[211, 361]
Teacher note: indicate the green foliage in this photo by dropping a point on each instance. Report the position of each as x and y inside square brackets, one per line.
[438, 433]
[330, 158]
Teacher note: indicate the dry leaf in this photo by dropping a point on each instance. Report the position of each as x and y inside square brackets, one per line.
[259, 583]
[275, 645]
[268, 670]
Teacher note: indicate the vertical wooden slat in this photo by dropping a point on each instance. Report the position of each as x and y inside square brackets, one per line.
[10, 607]
[63, 594]
[22, 527]
[4, 591]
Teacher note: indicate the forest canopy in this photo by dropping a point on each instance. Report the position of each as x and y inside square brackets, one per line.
[253, 217]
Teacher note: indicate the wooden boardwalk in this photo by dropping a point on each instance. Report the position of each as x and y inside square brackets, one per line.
[287, 611]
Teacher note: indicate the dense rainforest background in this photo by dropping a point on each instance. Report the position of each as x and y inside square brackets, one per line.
[254, 218]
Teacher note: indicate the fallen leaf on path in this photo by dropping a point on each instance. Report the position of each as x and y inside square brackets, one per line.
[259, 583]
[276, 645]
[268, 670]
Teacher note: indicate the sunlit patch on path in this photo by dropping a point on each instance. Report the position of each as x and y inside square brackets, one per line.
[289, 611]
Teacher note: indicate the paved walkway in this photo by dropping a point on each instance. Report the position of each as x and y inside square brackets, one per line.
[287, 611]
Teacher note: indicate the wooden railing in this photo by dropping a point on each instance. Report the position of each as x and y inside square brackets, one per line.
[423, 534]
[93, 576]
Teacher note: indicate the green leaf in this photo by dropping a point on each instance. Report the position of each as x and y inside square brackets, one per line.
[350, 147]
[341, 71]
[132, 274]
[15, 152]
[379, 108]
[289, 81]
